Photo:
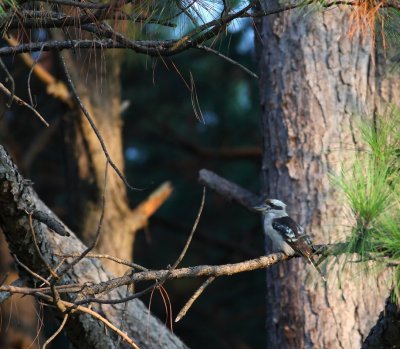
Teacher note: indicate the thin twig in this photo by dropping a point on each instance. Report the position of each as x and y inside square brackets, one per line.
[123, 315]
[51, 271]
[55, 334]
[28, 19]
[10, 77]
[92, 125]
[4, 278]
[30, 74]
[71, 307]
[192, 299]
[160, 281]
[98, 231]
[186, 11]
[228, 189]
[230, 60]
[189, 240]
[55, 87]
[167, 305]
[97, 316]
[105, 256]
[19, 101]
[19, 289]
[36, 275]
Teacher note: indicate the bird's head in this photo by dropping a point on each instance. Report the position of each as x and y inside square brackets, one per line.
[271, 205]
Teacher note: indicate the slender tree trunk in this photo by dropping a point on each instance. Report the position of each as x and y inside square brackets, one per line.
[315, 82]
[99, 87]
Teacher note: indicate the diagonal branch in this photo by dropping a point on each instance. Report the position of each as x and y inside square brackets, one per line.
[227, 189]
[17, 197]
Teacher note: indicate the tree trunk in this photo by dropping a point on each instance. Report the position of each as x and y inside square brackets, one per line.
[315, 82]
[99, 88]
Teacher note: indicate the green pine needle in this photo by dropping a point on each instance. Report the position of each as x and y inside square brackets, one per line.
[372, 189]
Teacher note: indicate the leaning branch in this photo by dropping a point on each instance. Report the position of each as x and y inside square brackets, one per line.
[228, 190]
[16, 198]
[21, 102]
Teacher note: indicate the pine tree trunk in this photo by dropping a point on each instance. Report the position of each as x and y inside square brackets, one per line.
[315, 83]
[99, 87]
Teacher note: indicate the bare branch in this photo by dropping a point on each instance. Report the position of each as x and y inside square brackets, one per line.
[36, 275]
[192, 299]
[189, 272]
[93, 126]
[227, 189]
[16, 197]
[149, 206]
[28, 19]
[105, 256]
[228, 59]
[98, 230]
[189, 240]
[71, 307]
[19, 101]
[55, 87]
[9, 76]
[55, 334]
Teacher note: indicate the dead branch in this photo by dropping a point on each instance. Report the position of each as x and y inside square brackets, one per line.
[227, 189]
[149, 206]
[105, 287]
[228, 59]
[93, 126]
[55, 334]
[209, 239]
[17, 197]
[192, 299]
[19, 101]
[55, 87]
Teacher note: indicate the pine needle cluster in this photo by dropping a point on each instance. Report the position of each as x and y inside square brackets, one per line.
[372, 190]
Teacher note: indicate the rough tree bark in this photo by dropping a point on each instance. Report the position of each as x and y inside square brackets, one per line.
[17, 199]
[314, 83]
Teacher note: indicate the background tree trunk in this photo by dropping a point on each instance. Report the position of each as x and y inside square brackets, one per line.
[315, 82]
[100, 92]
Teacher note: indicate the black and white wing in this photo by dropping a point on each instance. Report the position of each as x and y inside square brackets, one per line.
[294, 236]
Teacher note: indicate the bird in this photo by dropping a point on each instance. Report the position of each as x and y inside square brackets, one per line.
[287, 236]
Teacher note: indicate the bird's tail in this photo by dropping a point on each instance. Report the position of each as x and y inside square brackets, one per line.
[316, 268]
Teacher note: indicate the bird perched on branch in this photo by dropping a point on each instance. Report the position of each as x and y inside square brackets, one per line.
[286, 235]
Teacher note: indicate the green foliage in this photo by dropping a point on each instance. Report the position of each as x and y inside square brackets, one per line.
[372, 189]
[7, 4]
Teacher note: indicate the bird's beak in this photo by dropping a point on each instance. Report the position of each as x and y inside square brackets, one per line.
[260, 207]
